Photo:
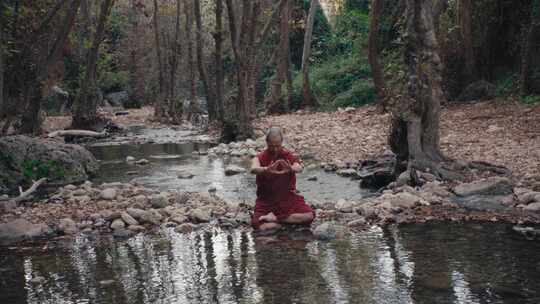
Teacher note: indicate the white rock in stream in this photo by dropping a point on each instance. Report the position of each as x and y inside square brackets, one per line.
[344, 206]
[108, 194]
[234, 169]
[118, 224]
[325, 231]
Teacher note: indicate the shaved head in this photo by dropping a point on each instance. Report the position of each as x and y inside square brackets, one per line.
[274, 133]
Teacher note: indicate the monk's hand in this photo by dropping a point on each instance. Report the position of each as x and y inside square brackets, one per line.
[279, 167]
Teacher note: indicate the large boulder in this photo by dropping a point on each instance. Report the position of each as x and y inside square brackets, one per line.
[24, 158]
[377, 173]
[488, 186]
[479, 90]
[21, 229]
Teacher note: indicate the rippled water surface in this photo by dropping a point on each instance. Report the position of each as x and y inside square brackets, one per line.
[428, 263]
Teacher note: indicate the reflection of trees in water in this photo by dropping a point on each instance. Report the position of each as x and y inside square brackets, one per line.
[12, 278]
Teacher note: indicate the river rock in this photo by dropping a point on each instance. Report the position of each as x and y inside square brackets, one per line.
[201, 215]
[529, 197]
[128, 219]
[136, 228]
[21, 229]
[360, 222]
[118, 224]
[66, 163]
[136, 213]
[68, 226]
[142, 162]
[179, 219]
[377, 173]
[108, 194]
[534, 207]
[233, 170]
[185, 228]
[366, 210]
[478, 90]
[488, 186]
[344, 206]
[325, 231]
[130, 159]
[347, 172]
[152, 216]
[159, 201]
[405, 200]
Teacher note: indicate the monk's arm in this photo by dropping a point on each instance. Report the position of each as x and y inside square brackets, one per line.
[256, 167]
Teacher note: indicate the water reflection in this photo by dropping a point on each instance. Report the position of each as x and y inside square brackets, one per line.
[433, 263]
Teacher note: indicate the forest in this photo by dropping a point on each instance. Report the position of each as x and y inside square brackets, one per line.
[138, 130]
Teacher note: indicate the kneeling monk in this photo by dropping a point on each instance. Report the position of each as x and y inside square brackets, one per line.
[277, 201]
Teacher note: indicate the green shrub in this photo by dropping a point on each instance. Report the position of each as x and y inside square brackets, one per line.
[362, 92]
[507, 84]
[530, 99]
[35, 169]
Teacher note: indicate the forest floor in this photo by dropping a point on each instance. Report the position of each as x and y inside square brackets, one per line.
[500, 132]
[497, 131]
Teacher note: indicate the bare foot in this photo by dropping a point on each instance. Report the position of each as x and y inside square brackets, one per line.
[270, 217]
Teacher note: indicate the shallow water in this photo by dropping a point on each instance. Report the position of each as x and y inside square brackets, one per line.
[168, 161]
[424, 263]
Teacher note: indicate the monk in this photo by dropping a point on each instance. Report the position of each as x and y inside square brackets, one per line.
[277, 201]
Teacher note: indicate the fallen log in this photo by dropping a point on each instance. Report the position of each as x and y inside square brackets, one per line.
[79, 133]
[25, 194]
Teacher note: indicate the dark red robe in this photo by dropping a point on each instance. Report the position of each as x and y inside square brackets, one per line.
[276, 193]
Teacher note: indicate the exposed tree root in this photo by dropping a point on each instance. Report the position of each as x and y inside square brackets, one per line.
[25, 194]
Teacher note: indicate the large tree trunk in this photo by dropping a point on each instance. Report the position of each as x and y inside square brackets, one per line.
[2, 102]
[528, 47]
[308, 99]
[220, 79]
[136, 77]
[465, 12]
[160, 107]
[415, 127]
[31, 120]
[85, 116]
[247, 41]
[373, 51]
[208, 89]
[275, 104]
[193, 103]
[175, 108]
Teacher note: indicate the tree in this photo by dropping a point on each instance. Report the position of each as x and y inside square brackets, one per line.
[247, 40]
[414, 134]
[85, 116]
[220, 79]
[275, 104]
[208, 89]
[528, 47]
[31, 120]
[465, 10]
[193, 102]
[373, 52]
[308, 99]
[160, 107]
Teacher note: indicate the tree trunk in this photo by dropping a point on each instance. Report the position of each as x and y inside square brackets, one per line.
[175, 108]
[136, 77]
[220, 79]
[193, 105]
[275, 104]
[415, 125]
[2, 105]
[247, 41]
[528, 47]
[86, 104]
[208, 89]
[160, 107]
[373, 51]
[308, 99]
[465, 24]
[31, 121]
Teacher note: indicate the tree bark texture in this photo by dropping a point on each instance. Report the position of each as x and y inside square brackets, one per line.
[415, 125]
[247, 40]
[465, 12]
[528, 47]
[220, 79]
[275, 103]
[373, 51]
[308, 99]
[160, 106]
[203, 74]
[193, 102]
[31, 120]
[85, 116]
